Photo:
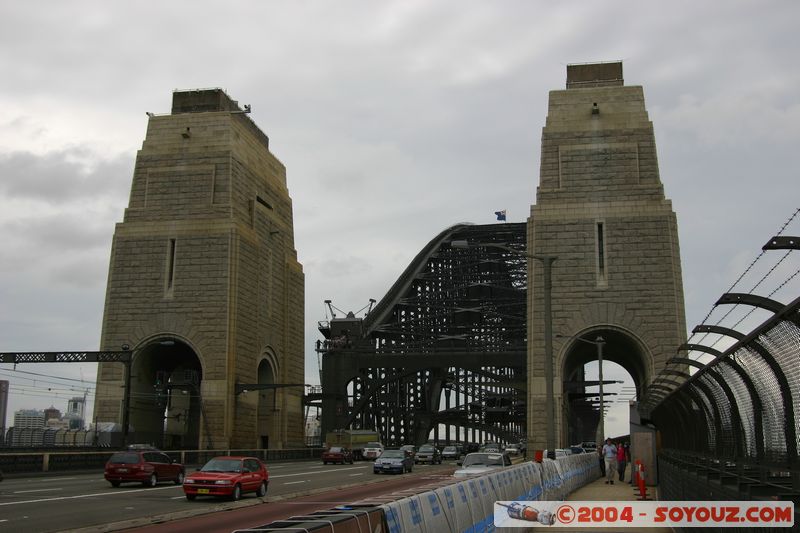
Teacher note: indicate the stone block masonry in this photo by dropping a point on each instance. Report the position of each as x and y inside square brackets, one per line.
[204, 283]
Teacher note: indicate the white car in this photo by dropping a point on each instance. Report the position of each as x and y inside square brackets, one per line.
[479, 463]
[372, 450]
[512, 449]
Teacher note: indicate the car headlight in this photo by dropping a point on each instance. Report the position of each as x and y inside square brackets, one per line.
[188, 481]
[222, 482]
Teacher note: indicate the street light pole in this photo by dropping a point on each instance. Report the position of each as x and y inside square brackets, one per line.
[547, 263]
[550, 403]
[600, 342]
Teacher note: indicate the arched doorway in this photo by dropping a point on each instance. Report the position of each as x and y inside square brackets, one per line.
[165, 402]
[625, 372]
[267, 408]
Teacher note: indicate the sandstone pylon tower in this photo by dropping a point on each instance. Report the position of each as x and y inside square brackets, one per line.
[205, 288]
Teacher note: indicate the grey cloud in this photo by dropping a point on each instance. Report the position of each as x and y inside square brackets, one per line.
[59, 177]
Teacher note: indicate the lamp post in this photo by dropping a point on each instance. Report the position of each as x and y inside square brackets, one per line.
[601, 427]
[599, 342]
[547, 263]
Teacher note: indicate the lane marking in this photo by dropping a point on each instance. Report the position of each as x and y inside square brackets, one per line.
[320, 472]
[359, 474]
[294, 482]
[95, 495]
[34, 490]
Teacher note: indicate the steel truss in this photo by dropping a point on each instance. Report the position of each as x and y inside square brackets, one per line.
[443, 351]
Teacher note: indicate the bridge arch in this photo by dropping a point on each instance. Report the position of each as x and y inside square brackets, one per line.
[165, 395]
[267, 372]
[619, 345]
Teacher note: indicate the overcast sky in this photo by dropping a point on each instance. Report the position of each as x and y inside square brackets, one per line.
[395, 120]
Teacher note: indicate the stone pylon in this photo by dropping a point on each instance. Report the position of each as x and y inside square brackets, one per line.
[205, 288]
[600, 210]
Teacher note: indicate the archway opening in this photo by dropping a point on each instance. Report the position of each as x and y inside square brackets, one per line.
[625, 369]
[165, 404]
[266, 404]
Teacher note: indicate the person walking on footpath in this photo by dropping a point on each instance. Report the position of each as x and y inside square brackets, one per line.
[622, 460]
[601, 461]
[610, 456]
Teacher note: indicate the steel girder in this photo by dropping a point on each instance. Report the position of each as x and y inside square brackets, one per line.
[444, 350]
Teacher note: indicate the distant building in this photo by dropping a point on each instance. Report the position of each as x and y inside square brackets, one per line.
[57, 423]
[313, 431]
[29, 426]
[3, 402]
[51, 413]
[76, 409]
[3, 409]
[29, 418]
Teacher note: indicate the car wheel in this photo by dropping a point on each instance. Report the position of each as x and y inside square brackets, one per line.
[179, 479]
[191, 497]
[237, 493]
[152, 481]
[262, 490]
[324, 462]
[115, 483]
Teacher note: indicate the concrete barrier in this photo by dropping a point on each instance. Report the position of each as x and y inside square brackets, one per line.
[467, 506]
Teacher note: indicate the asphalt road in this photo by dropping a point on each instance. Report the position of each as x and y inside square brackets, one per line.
[87, 501]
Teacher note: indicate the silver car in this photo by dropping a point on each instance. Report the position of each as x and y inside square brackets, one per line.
[479, 463]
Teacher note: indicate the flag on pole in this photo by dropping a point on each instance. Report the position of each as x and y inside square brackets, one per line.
[501, 215]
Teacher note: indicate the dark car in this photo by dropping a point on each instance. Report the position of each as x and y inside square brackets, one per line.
[450, 452]
[147, 467]
[393, 461]
[428, 453]
[490, 447]
[337, 454]
[410, 448]
[228, 476]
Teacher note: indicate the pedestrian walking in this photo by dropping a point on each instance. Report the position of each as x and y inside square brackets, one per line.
[602, 462]
[622, 460]
[610, 456]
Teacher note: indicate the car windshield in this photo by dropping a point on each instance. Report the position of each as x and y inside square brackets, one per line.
[483, 459]
[392, 454]
[335, 449]
[449, 448]
[373, 445]
[426, 448]
[222, 465]
[124, 458]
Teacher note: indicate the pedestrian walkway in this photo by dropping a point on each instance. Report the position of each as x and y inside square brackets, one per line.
[620, 491]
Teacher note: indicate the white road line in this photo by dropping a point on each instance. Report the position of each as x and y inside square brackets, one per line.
[319, 472]
[34, 490]
[81, 496]
[294, 482]
[359, 474]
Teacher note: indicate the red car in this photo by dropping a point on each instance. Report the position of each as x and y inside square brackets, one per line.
[147, 467]
[336, 454]
[229, 477]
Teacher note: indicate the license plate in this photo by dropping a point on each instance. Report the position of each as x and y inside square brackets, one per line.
[387, 467]
[202, 491]
[122, 470]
